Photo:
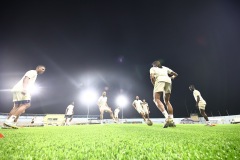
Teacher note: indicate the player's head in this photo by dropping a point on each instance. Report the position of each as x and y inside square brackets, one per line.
[191, 88]
[72, 103]
[40, 69]
[157, 64]
[104, 93]
[144, 100]
[137, 98]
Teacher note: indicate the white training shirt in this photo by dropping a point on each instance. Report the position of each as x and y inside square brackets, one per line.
[70, 109]
[145, 106]
[102, 101]
[32, 75]
[196, 93]
[138, 103]
[161, 74]
[116, 111]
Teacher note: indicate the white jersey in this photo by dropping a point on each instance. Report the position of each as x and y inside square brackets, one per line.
[32, 75]
[145, 106]
[196, 93]
[116, 111]
[137, 103]
[161, 74]
[70, 110]
[102, 101]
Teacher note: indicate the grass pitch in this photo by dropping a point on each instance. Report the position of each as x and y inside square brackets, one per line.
[121, 141]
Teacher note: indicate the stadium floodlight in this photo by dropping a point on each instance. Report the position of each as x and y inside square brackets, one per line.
[122, 102]
[88, 97]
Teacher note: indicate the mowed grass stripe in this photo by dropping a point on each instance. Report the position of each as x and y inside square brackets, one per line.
[122, 141]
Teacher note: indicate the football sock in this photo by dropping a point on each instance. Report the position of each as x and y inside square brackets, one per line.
[12, 118]
[165, 114]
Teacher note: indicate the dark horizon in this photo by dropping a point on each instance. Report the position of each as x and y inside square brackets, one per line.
[106, 44]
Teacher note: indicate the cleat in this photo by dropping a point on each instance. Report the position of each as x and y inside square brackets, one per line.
[6, 127]
[210, 125]
[11, 124]
[166, 124]
[171, 123]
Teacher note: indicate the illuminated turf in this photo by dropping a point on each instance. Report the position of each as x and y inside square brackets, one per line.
[117, 141]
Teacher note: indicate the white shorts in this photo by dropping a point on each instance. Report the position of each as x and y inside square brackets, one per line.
[18, 96]
[140, 110]
[145, 111]
[162, 87]
[202, 106]
[104, 108]
[116, 115]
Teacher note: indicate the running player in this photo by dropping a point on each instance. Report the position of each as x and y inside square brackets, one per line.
[21, 95]
[116, 112]
[103, 106]
[69, 114]
[145, 108]
[162, 83]
[200, 104]
[137, 104]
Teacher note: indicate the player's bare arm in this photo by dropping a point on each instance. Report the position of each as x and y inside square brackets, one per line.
[152, 78]
[133, 104]
[173, 75]
[198, 99]
[25, 84]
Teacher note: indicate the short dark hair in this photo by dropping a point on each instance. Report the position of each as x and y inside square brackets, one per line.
[41, 66]
[157, 63]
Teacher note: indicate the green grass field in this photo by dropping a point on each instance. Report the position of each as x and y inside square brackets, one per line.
[121, 141]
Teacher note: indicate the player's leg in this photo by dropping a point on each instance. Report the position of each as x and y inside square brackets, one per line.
[116, 116]
[170, 109]
[14, 117]
[71, 119]
[101, 115]
[107, 109]
[203, 113]
[15, 106]
[168, 104]
[147, 115]
[66, 118]
[143, 116]
[161, 107]
[159, 104]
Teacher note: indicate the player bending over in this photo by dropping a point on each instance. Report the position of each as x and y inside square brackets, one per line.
[200, 104]
[21, 96]
[162, 86]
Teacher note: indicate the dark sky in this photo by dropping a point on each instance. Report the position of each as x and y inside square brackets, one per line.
[113, 43]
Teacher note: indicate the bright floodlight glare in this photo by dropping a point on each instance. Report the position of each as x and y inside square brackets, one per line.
[121, 101]
[35, 89]
[89, 97]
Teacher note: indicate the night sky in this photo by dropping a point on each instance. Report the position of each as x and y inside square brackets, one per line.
[111, 45]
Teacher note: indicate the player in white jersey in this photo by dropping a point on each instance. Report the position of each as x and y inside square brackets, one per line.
[145, 108]
[21, 95]
[200, 103]
[69, 113]
[103, 106]
[137, 104]
[116, 112]
[162, 83]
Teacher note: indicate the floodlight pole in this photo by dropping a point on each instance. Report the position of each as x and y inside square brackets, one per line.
[122, 114]
[88, 112]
